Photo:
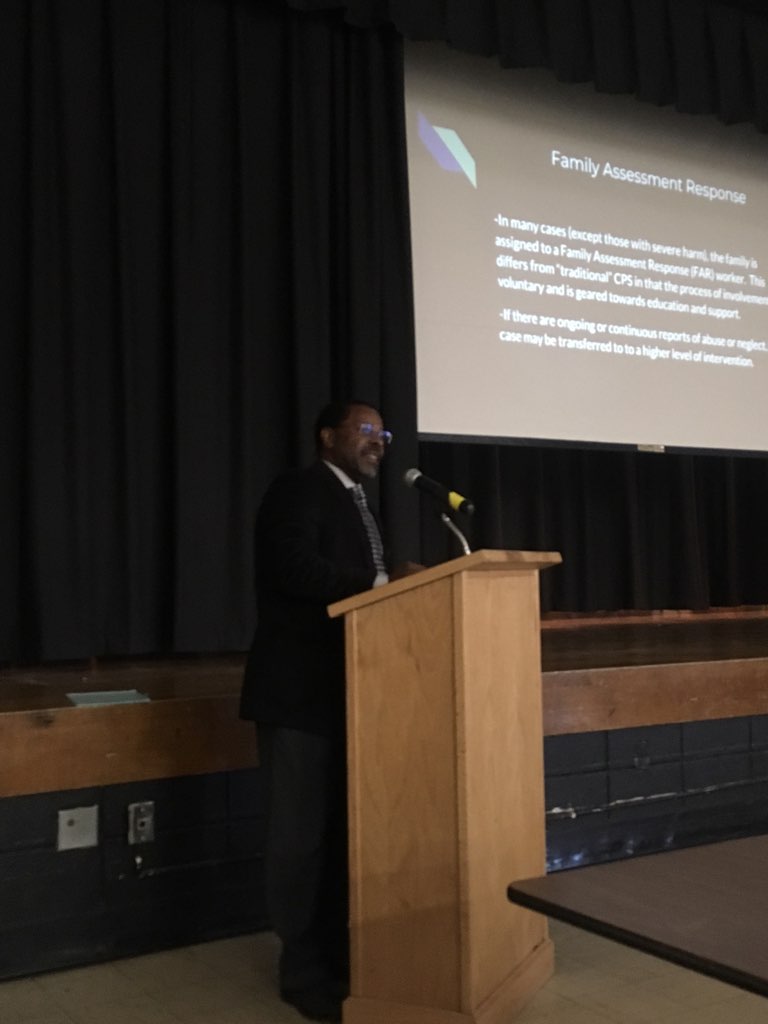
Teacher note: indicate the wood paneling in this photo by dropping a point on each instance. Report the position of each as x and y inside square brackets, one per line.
[189, 727]
[402, 768]
[606, 674]
[592, 700]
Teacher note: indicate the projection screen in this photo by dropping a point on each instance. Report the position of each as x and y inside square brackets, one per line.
[586, 268]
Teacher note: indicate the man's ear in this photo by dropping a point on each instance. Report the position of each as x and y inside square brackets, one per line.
[326, 437]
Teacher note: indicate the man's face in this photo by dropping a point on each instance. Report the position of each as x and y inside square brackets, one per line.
[355, 445]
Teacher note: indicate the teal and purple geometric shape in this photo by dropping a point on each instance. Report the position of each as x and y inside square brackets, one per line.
[447, 149]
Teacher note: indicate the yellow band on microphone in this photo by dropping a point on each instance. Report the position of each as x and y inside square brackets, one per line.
[455, 500]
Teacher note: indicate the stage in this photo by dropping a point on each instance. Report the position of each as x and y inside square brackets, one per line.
[600, 672]
[632, 669]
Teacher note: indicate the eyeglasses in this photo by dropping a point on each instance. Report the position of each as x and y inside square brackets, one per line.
[368, 430]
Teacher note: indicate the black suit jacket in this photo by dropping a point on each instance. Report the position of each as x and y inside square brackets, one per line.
[311, 550]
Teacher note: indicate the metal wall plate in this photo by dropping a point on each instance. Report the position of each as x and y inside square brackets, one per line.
[78, 828]
[141, 822]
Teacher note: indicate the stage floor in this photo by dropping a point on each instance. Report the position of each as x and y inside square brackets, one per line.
[607, 641]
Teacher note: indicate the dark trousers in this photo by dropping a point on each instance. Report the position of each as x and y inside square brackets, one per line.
[306, 873]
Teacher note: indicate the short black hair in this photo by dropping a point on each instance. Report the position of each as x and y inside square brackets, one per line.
[333, 415]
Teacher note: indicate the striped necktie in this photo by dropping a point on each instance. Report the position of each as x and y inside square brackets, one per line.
[374, 537]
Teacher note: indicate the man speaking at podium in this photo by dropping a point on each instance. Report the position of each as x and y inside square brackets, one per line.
[316, 542]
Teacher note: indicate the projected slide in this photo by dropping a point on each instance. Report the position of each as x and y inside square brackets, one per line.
[586, 268]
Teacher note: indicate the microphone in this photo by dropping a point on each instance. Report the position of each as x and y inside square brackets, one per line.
[415, 478]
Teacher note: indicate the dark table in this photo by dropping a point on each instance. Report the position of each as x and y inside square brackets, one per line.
[705, 908]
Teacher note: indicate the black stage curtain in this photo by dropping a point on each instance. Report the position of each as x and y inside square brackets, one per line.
[203, 240]
[204, 237]
[705, 56]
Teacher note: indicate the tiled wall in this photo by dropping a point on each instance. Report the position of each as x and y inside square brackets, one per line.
[201, 877]
[609, 795]
[615, 794]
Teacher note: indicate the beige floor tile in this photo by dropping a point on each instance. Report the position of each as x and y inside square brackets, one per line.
[255, 1012]
[251, 962]
[23, 1000]
[576, 1014]
[237, 953]
[629, 1008]
[233, 981]
[99, 983]
[136, 1010]
[576, 982]
[161, 971]
[724, 1013]
[688, 989]
[56, 1017]
[547, 1007]
[195, 999]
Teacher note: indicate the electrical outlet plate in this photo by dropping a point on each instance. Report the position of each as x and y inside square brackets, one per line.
[141, 822]
[78, 828]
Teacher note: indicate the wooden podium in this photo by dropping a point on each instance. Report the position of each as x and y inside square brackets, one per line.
[446, 792]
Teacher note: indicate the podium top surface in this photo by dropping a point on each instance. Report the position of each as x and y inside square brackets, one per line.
[478, 561]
